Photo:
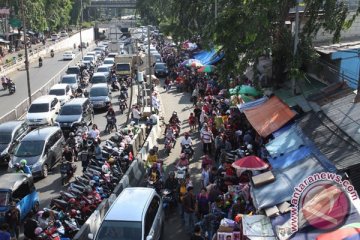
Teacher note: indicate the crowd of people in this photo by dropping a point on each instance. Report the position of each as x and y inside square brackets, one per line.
[221, 128]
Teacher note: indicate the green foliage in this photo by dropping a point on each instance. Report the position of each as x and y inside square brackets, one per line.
[247, 29]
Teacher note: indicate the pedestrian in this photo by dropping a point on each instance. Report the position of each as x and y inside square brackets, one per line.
[206, 138]
[4, 232]
[12, 218]
[30, 225]
[197, 233]
[197, 113]
[203, 203]
[136, 114]
[189, 204]
[205, 174]
[192, 122]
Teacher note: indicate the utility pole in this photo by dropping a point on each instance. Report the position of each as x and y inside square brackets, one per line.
[149, 63]
[216, 9]
[296, 42]
[81, 21]
[26, 52]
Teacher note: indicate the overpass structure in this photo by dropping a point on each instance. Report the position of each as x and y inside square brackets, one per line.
[112, 4]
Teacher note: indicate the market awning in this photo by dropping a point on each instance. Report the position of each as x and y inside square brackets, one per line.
[288, 141]
[286, 180]
[286, 160]
[270, 116]
[252, 104]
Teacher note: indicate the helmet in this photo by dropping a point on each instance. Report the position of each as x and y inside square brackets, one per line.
[249, 147]
[237, 218]
[23, 162]
[171, 174]
[73, 213]
[71, 134]
[72, 201]
[174, 113]
[105, 169]
[92, 183]
[96, 179]
[88, 189]
[38, 230]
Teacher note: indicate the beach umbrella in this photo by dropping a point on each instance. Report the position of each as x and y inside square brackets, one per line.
[206, 69]
[250, 163]
[249, 90]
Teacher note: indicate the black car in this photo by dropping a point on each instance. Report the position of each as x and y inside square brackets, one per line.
[73, 70]
[161, 70]
[11, 134]
[74, 113]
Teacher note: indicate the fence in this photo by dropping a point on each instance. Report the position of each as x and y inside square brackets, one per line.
[132, 178]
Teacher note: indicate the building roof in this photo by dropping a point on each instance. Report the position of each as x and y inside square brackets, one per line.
[345, 114]
[331, 141]
[328, 49]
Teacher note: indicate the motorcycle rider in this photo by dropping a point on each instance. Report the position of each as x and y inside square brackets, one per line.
[186, 140]
[152, 158]
[111, 119]
[169, 134]
[174, 120]
[122, 97]
[4, 82]
[124, 89]
[24, 167]
[40, 61]
[10, 84]
[68, 154]
[171, 182]
[78, 92]
[52, 53]
[183, 161]
[154, 174]
[71, 142]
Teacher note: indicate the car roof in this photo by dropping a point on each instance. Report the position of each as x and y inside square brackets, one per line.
[10, 125]
[129, 204]
[103, 66]
[73, 67]
[68, 52]
[44, 99]
[13, 180]
[98, 74]
[59, 86]
[100, 85]
[109, 58]
[40, 133]
[76, 101]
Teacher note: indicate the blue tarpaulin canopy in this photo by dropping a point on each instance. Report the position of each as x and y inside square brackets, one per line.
[286, 180]
[252, 104]
[287, 159]
[288, 141]
[209, 57]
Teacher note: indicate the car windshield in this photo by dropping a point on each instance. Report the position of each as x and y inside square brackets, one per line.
[109, 62]
[88, 58]
[98, 79]
[110, 230]
[103, 69]
[38, 108]
[122, 67]
[68, 53]
[70, 110]
[4, 198]
[5, 137]
[57, 92]
[160, 66]
[68, 80]
[73, 71]
[97, 92]
[29, 148]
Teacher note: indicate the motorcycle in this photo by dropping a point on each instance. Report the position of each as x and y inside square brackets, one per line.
[122, 105]
[180, 172]
[168, 145]
[176, 129]
[52, 54]
[111, 124]
[168, 198]
[188, 151]
[67, 170]
[40, 62]
[12, 88]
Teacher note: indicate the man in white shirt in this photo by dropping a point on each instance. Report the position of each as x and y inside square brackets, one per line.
[207, 138]
[186, 140]
[136, 114]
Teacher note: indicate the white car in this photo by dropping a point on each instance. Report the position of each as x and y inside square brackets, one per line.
[89, 58]
[109, 62]
[54, 37]
[43, 111]
[62, 91]
[63, 34]
[68, 55]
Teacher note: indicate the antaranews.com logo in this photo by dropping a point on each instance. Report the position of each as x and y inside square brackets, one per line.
[322, 201]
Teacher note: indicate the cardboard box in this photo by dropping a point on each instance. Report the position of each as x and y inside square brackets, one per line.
[284, 207]
[225, 229]
[263, 178]
[273, 211]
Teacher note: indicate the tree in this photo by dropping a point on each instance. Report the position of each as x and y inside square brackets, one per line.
[247, 29]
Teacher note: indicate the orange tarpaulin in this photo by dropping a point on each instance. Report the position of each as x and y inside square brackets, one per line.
[270, 116]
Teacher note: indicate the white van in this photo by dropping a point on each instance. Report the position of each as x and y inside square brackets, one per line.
[43, 111]
[62, 91]
[137, 213]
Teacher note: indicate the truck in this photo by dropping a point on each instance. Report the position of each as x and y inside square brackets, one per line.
[114, 46]
[125, 64]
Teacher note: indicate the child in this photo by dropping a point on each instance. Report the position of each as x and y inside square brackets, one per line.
[192, 122]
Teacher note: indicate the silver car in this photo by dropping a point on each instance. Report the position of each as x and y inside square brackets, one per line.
[70, 79]
[137, 213]
[100, 96]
